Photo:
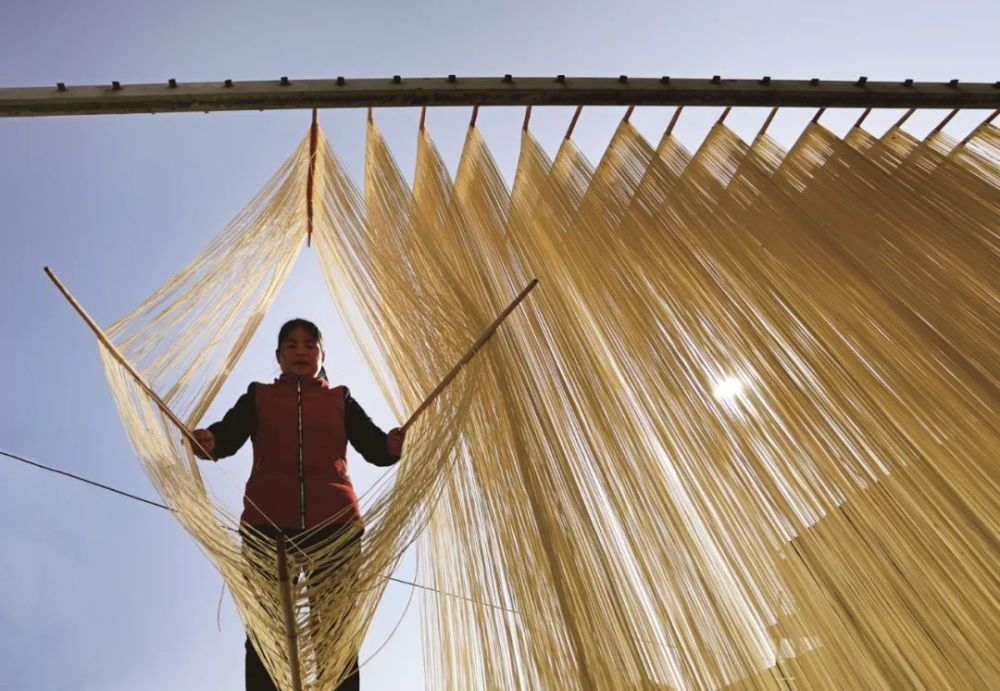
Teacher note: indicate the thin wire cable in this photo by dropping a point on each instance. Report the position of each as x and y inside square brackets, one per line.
[158, 505]
[93, 483]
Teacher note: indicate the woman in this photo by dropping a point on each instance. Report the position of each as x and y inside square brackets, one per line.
[300, 427]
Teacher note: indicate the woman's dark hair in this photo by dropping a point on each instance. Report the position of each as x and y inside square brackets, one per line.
[307, 326]
[304, 324]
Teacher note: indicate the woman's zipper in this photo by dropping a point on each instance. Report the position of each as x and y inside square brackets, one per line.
[302, 468]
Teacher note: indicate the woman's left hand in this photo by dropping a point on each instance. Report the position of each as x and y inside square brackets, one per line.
[394, 441]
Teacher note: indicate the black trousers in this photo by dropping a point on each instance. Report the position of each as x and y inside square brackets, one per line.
[257, 677]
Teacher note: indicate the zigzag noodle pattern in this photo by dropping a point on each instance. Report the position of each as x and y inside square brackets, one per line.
[743, 435]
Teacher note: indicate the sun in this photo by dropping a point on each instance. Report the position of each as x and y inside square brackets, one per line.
[728, 389]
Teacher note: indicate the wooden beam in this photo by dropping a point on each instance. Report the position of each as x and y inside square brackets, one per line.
[284, 93]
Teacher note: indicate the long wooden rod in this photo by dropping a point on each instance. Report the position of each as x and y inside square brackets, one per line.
[117, 355]
[480, 342]
[572, 123]
[291, 636]
[174, 97]
[311, 176]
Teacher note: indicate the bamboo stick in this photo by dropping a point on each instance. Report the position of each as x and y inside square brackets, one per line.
[767, 123]
[487, 334]
[116, 354]
[572, 123]
[286, 607]
[311, 177]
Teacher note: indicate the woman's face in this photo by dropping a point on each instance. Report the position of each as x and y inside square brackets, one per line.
[300, 354]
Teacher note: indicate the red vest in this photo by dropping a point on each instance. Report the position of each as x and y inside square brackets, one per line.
[299, 477]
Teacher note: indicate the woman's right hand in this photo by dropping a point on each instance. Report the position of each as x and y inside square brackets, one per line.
[206, 439]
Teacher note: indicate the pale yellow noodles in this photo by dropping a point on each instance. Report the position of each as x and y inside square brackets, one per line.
[744, 433]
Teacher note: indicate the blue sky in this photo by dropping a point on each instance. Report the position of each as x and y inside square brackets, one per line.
[100, 593]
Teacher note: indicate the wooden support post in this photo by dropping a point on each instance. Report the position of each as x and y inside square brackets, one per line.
[291, 636]
[572, 123]
[985, 123]
[311, 177]
[116, 354]
[673, 121]
[906, 116]
[767, 123]
[947, 119]
[480, 342]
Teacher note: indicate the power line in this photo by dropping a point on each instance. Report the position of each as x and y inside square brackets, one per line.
[22, 459]
[36, 464]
